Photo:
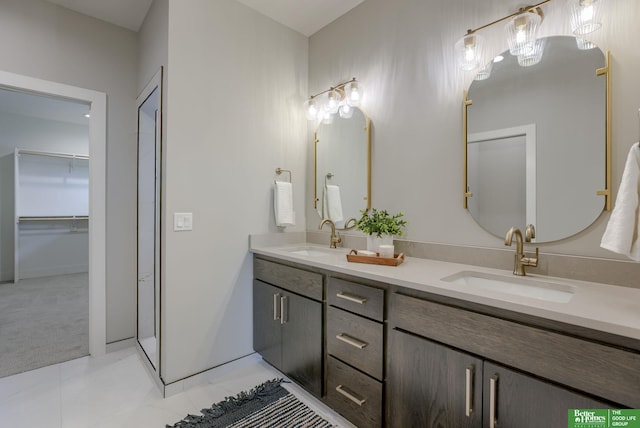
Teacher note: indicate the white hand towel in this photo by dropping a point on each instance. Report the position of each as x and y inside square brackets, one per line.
[334, 203]
[283, 203]
[621, 235]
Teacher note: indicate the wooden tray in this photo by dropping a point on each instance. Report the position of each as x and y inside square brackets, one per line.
[375, 260]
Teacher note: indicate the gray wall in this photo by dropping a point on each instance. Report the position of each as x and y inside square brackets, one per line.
[52, 43]
[236, 83]
[402, 51]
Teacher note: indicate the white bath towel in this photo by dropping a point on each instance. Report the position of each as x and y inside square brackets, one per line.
[334, 203]
[283, 203]
[621, 235]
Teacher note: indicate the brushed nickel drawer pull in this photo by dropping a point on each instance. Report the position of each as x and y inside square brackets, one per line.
[350, 297]
[284, 313]
[468, 407]
[493, 390]
[276, 312]
[351, 341]
[359, 401]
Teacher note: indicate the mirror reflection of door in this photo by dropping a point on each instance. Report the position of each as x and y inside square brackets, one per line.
[149, 156]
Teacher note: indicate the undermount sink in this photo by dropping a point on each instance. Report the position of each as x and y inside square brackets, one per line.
[519, 286]
[309, 252]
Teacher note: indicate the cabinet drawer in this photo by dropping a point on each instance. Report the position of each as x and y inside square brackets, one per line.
[355, 340]
[305, 283]
[357, 298]
[354, 395]
[601, 370]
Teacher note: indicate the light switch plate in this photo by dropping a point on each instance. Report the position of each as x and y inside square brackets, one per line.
[182, 222]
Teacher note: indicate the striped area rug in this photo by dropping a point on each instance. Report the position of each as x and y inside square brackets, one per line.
[268, 405]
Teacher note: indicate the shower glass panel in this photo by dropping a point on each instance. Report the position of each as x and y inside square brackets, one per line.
[149, 144]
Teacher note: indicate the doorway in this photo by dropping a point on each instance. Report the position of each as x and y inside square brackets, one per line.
[97, 103]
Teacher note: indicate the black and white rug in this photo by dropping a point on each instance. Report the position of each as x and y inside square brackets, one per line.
[268, 405]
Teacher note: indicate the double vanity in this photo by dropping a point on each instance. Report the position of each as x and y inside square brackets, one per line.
[431, 343]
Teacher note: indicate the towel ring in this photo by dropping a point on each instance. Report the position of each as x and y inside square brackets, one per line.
[280, 171]
[329, 176]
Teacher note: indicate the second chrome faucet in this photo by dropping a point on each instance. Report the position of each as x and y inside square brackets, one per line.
[521, 260]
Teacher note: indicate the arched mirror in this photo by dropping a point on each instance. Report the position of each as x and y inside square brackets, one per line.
[537, 141]
[343, 168]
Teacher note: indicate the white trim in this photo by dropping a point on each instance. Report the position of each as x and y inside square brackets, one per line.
[97, 192]
[529, 134]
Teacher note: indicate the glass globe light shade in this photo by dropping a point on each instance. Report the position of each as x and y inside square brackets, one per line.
[534, 56]
[585, 16]
[485, 72]
[333, 101]
[326, 115]
[346, 111]
[469, 51]
[311, 109]
[353, 93]
[522, 33]
[584, 44]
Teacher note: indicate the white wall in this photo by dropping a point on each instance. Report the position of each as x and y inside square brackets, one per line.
[403, 52]
[236, 83]
[53, 43]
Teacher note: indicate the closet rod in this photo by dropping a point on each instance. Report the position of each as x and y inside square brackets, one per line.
[52, 218]
[53, 155]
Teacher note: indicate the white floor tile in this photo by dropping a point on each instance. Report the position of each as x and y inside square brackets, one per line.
[115, 391]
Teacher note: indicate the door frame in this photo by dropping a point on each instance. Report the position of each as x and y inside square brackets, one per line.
[97, 191]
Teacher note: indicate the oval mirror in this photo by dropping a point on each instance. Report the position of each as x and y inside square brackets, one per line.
[537, 140]
[343, 168]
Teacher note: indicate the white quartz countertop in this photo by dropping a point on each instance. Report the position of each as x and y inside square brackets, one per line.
[608, 308]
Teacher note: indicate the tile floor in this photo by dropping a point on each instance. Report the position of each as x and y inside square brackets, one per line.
[116, 391]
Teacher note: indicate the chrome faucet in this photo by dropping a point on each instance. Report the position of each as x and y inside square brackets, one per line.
[335, 237]
[521, 260]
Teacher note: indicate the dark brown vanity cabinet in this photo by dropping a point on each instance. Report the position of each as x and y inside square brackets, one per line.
[433, 384]
[355, 348]
[287, 321]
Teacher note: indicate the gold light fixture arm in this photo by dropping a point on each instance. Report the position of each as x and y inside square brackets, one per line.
[338, 87]
[534, 9]
[606, 71]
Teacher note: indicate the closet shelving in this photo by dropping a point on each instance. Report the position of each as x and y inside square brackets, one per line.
[51, 197]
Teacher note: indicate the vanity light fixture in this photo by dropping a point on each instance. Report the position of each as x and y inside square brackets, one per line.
[341, 99]
[521, 32]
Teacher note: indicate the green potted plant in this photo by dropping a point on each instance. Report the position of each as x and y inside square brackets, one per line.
[381, 227]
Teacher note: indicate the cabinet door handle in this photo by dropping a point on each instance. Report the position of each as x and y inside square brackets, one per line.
[350, 297]
[284, 314]
[351, 341]
[276, 311]
[468, 406]
[493, 391]
[349, 395]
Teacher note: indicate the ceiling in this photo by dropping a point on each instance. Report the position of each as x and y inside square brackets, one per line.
[304, 16]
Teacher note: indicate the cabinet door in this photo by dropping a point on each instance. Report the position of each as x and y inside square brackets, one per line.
[430, 385]
[302, 341]
[267, 330]
[513, 399]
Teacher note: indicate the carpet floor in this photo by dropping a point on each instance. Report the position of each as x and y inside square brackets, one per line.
[43, 321]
